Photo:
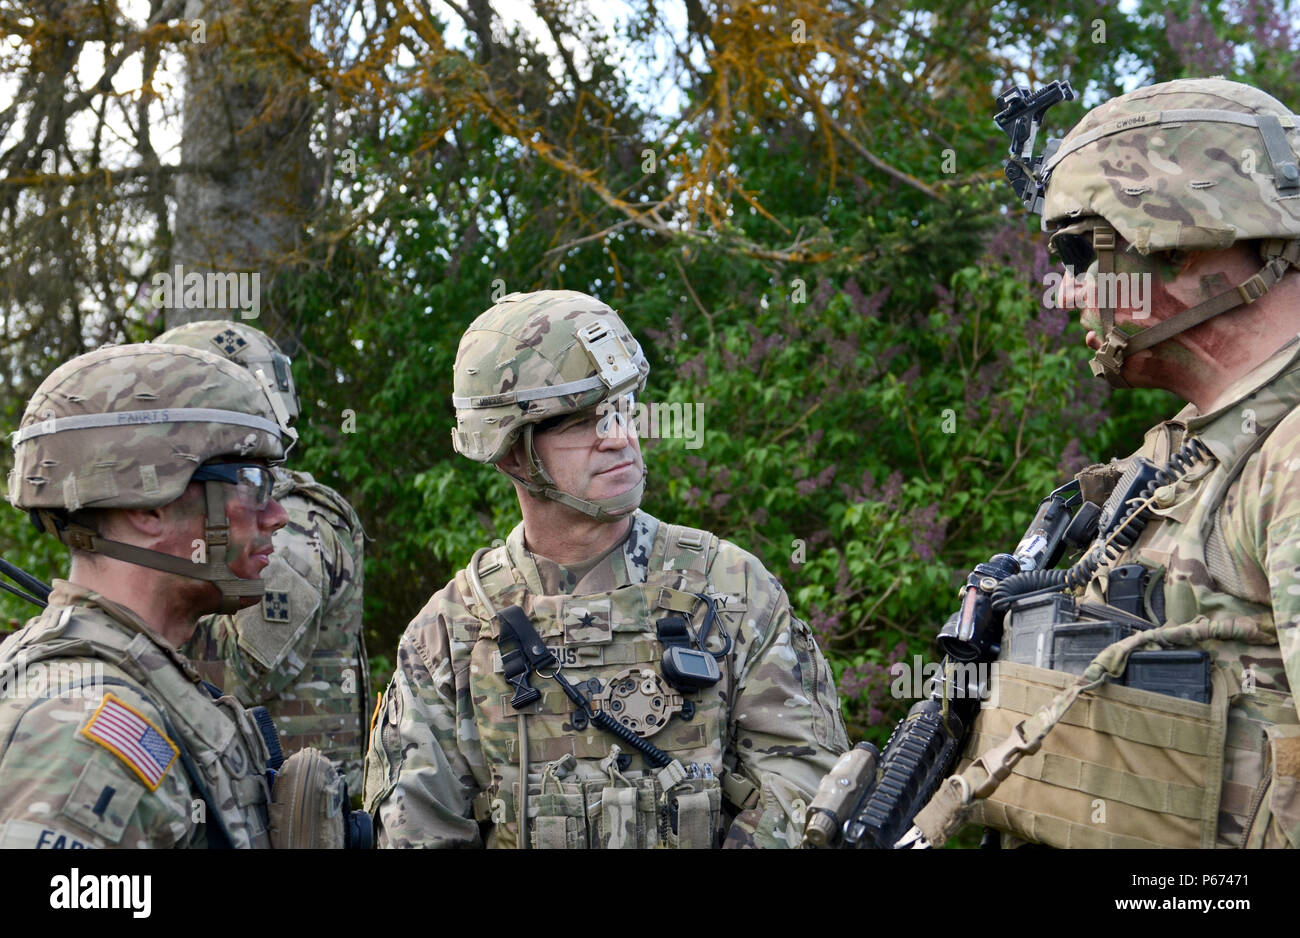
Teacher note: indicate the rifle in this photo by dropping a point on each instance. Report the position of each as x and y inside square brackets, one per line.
[869, 799]
[39, 593]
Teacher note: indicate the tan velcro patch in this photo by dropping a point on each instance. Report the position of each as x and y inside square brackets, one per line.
[1286, 750]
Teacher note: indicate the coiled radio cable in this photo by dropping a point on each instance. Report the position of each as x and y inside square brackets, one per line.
[1123, 533]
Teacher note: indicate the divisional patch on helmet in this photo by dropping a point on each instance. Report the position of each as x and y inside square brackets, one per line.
[275, 606]
[230, 342]
[128, 734]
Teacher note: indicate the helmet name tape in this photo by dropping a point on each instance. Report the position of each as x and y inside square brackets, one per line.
[529, 394]
[134, 417]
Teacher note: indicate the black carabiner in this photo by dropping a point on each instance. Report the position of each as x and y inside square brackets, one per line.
[702, 639]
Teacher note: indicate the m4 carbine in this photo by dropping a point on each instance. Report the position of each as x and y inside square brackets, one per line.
[37, 592]
[869, 799]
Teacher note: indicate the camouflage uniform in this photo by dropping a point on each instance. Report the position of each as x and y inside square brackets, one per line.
[301, 652]
[1191, 165]
[1246, 571]
[107, 737]
[444, 749]
[68, 776]
[445, 757]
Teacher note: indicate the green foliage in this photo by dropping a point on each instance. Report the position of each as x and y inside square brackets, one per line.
[871, 462]
[41, 556]
[877, 419]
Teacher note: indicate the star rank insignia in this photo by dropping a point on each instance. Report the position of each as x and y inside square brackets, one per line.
[230, 342]
[275, 606]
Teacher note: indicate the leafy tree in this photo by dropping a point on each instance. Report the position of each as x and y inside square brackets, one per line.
[797, 206]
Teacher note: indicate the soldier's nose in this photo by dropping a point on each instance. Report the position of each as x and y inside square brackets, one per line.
[273, 516]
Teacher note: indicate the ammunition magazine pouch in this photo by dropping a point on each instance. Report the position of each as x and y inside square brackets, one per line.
[1130, 768]
[628, 812]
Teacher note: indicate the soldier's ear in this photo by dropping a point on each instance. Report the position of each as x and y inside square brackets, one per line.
[513, 462]
[155, 522]
[146, 522]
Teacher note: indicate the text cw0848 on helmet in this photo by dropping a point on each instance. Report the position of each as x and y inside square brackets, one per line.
[1187, 165]
[246, 346]
[126, 427]
[535, 356]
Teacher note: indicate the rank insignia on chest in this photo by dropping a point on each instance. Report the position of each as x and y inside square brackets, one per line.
[275, 606]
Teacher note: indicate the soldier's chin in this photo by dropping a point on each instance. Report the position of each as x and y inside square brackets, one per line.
[619, 481]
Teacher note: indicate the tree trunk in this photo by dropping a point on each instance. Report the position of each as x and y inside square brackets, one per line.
[247, 122]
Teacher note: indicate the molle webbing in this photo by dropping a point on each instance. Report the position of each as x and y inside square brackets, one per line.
[687, 554]
[596, 630]
[1119, 760]
[1105, 748]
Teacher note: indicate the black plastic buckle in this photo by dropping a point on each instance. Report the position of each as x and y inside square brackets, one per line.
[516, 672]
[522, 652]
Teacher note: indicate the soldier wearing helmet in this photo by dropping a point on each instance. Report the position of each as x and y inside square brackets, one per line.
[152, 465]
[300, 651]
[603, 679]
[1189, 192]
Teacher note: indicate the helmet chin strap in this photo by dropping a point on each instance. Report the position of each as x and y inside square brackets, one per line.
[235, 590]
[605, 510]
[1279, 256]
[1109, 359]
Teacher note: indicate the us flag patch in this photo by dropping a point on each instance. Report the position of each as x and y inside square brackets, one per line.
[128, 734]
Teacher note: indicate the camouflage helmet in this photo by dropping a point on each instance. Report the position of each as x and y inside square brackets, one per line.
[534, 356]
[126, 427]
[246, 346]
[1194, 164]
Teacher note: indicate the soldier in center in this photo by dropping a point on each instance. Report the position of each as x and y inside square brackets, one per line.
[649, 681]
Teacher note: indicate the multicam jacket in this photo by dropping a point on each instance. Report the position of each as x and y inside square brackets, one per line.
[1226, 546]
[301, 652]
[108, 738]
[443, 767]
